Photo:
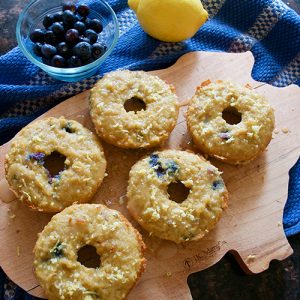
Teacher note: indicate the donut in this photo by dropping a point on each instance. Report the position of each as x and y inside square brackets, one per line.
[151, 206]
[66, 144]
[123, 128]
[118, 244]
[239, 138]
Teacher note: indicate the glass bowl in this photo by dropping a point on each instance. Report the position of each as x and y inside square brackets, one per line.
[32, 16]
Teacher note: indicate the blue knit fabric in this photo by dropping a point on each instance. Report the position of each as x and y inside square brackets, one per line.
[268, 28]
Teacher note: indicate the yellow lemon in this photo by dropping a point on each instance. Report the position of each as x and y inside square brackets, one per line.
[170, 20]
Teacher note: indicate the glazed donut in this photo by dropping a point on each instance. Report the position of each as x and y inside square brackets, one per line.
[31, 181]
[129, 129]
[150, 204]
[118, 244]
[234, 142]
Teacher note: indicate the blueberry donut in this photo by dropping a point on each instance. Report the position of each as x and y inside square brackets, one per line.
[150, 204]
[53, 163]
[230, 122]
[118, 244]
[133, 109]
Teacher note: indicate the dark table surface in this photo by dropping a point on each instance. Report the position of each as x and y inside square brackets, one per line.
[225, 280]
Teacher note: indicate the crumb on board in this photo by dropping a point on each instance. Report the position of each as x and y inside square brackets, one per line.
[206, 82]
[105, 174]
[168, 274]
[151, 249]
[285, 130]
[18, 250]
[276, 131]
[12, 216]
[108, 202]
[251, 257]
[122, 199]
[279, 224]
[114, 167]
[248, 86]
[184, 102]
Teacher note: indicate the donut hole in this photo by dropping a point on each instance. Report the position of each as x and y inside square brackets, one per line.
[231, 115]
[55, 163]
[177, 191]
[134, 104]
[88, 257]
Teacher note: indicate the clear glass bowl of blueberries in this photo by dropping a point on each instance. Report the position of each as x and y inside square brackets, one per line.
[67, 39]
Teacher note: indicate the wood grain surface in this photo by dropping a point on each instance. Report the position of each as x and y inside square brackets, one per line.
[250, 228]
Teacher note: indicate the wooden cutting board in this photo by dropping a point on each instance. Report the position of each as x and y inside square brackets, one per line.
[251, 227]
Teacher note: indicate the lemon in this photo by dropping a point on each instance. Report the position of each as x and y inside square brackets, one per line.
[170, 20]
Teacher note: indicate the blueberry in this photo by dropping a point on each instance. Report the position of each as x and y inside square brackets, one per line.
[83, 50]
[37, 35]
[78, 18]
[46, 61]
[57, 250]
[153, 161]
[86, 22]
[37, 49]
[84, 39]
[68, 18]
[96, 25]
[39, 157]
[57, 17]
[172, 168]
[74, 62]
[156, 165]
[225, 135]
[80, 26]
[83, 10]
[63, 49]
[47, 21]
[72, 36]
[58, 61]
[88, 61]
[50, 37]
[91, 35]
[58, 29]
[69, 6]
[98, 50]
[217, 184]
[48, 50]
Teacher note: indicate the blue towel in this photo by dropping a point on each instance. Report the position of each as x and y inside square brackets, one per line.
[268, 28]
